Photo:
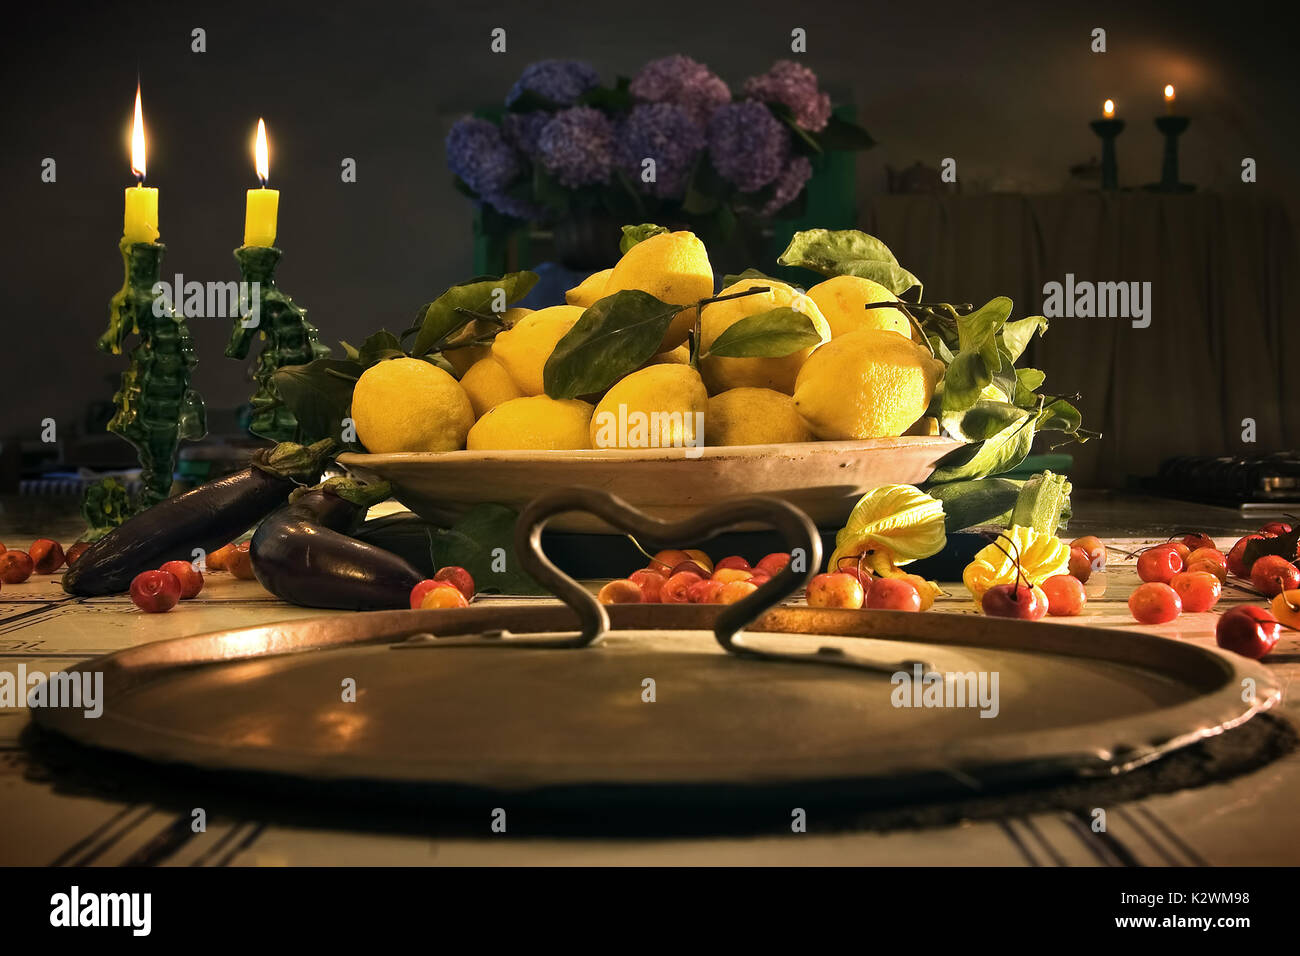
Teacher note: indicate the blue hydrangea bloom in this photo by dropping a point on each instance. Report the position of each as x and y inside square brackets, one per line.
[522, 130]
[665, 133]
[577, 146]
[560, 81]
[749, 146]
[789, 185]
[480, 156]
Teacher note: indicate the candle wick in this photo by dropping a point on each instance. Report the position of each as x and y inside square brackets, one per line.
[263, 181]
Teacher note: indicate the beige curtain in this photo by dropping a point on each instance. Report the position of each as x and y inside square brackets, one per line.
[1224, 339]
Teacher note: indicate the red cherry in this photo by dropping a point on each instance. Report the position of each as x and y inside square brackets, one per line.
[773, 563]
[1276, 528]
[759, 578]
[1094, 548]
[675, 588]
[15, 567]
[155, 591]
[651, 584]
[1065, 595]
[1154, 603]
[621, 591]
[689, 567]
[1198, 590]
[834, 590]
[1160, 564]
[732, 561]
[459, 578]
[705, 591]
[1237, 556]
[1198, 540]
[46, 555]
[893, 594]
[1080, 564]
[1247, 630]
[1273, 574]
[420, 590]
[1015, 600]
[189, 576]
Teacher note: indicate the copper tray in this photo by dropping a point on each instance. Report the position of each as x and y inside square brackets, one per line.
[508, 697]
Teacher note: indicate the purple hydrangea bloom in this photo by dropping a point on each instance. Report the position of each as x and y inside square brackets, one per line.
[684, 82]
[480, 156]
[665, 133]
[522, 130]
[560, 81]
[508, 205]
[789, 185]
[577, 146]
[795, 86]
[748, 145]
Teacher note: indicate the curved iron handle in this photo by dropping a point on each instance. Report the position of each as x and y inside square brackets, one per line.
[797, 529]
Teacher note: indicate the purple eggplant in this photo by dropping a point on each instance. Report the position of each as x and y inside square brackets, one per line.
[205, 518]
[303, 553]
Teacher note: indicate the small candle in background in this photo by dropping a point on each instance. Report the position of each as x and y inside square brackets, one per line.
[1108, 109]
[1169, 99]
[140, 216]
[263, 204]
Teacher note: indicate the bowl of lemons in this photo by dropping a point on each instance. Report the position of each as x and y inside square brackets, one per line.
[650, 385]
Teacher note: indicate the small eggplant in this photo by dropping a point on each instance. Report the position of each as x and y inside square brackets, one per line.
[302, 553]
[207, 517]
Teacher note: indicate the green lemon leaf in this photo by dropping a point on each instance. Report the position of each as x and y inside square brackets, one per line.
[319, 394]
[770, 334]
[985, 419]
[729, 280]
[1028, 381]
[471, 542]
[1017, 335]
[441, 317]
[615, 336]
[634, 234]
[848, 252]
[979, 361]
[1060, 416]
[995, 455]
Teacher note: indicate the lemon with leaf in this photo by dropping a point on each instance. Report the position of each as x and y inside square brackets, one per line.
[524, 349]
[779, 373]
[406, 404]
[843, 300]
[674, 268]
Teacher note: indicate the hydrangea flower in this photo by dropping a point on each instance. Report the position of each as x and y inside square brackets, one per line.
[577, 146]
[748, 145]
[522, 130]
[789, 185]
[665, 133]
[560, 81]
[509, 205]
[683, 82]
[480, 156]
[795, 86]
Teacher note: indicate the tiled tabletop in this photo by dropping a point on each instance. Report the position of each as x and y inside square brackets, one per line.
[1246, 820]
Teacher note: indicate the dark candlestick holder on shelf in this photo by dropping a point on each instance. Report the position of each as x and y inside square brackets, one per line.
[1108, 129]
[1172, 127]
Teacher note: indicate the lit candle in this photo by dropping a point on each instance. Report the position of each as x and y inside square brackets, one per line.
[140, 219]
[263, 204]
[1169, 99]
[1108, 109]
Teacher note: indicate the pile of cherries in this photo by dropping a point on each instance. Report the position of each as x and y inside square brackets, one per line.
[43, 557]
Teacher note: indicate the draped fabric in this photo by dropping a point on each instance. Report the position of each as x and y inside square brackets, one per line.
[1224, 340]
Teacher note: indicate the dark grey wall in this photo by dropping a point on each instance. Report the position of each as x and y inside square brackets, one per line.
[1007, 89]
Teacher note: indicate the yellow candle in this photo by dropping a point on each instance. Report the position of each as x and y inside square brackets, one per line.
[140, 218]
[263, 207]
[1169, 99]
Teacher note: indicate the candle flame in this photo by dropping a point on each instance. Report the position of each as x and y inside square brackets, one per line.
[1108, 109]
[137, 138]
[1169, 92]
[261, 154]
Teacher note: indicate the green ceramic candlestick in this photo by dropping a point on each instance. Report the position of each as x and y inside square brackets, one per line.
[290, 340]
[156, 407]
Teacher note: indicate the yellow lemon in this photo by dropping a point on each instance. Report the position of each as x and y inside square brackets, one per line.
[753, 416]
[678, 356]
[488, 384]
[524, 349]
[407, 404]
[462, 358]
[673, 267]
[721, 373]
[656, 407]
[866, 384]
[841, 300]
[589, 290]
[532, 422]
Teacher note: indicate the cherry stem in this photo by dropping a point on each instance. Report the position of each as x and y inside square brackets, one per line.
[1020, 574]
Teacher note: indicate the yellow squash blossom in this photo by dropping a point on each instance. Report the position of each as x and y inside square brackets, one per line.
[1040, 555]
[891, 525]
